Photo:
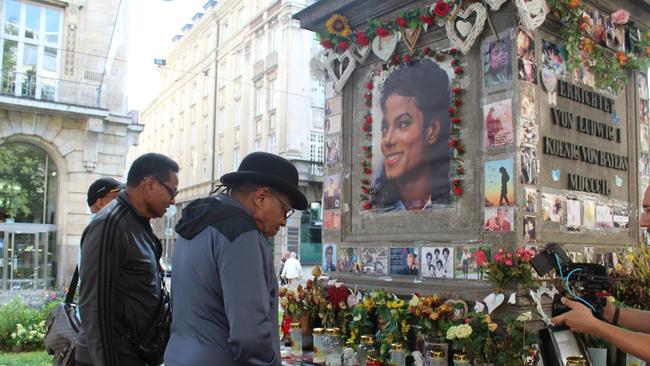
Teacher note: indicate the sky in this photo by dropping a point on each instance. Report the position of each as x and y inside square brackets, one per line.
[153, 23]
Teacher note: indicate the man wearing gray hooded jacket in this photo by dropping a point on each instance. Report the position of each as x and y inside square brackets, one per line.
[225, 291]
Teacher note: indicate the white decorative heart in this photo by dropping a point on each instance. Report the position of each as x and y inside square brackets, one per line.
[532, 13]
[463, 27]
[360, 53]
[454, 25]
[479, 307]
[513, 298]
[460, 308]
[493, 301]
[549, 79]
[340, 67]
[495, 4]
[384, 47]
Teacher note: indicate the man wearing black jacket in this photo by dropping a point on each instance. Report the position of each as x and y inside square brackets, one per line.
[120, 257]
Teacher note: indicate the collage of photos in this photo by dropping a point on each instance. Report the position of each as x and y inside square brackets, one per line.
[497, 124]
[410, 141]
[332, 180]
[438, 262]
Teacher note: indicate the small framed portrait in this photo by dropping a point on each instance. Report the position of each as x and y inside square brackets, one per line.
[604, 218]
[331, 219]
[645, 138]
[499, 185]
[642, 85]
[333, 106]
[621, 217]
[552, 206]
[498, 124]
[374, 261]
[332, 125]
[460, 309]
[588, 214]
[526, 67]
[530, 199]
[529, 165]
[404, 261]
[329, 255]
[438, 262]
[498, 219]
[472, 261]
[332, 191]
[573, 214]
[643, 111]
[497, 62]
[530, 228]
[332, 149]
[348, 260]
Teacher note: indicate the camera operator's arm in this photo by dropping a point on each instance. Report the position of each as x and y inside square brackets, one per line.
[581, 320]
[633, 319]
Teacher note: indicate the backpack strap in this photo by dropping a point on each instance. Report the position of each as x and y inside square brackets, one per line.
[69, 297]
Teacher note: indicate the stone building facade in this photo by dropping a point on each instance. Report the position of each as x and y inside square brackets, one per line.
[63, 103]
[238, 80]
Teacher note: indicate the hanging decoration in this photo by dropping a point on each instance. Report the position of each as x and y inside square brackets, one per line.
[464, 21]
[455, 140]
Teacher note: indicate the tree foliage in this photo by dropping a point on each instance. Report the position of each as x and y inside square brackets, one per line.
[22, 181]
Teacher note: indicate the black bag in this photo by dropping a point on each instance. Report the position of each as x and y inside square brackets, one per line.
[62, 327]
[151, 347]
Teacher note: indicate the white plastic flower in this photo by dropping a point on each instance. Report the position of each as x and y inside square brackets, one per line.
[524, 317]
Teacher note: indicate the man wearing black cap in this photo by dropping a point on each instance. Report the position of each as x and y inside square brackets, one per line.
[225, 290]
[102, 192]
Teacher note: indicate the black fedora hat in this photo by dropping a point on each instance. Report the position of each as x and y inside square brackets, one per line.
[270, 170]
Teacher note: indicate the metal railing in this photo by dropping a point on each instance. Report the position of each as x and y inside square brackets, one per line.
[32, 86]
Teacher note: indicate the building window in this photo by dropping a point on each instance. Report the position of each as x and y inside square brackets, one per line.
[195, 92]
[221, 81]
[238, 63]
[220, 165]
[272, 143]
[271, 95]
[237, 136]
[205, 128]
[241, 15]
[316, 147]
[210, 42]
[235, 159]
[271, 121]
[207, 85]
[318, 92]
[204, 165]
[222, 119]
[225, 31]
[258, 144]
[259, 97]
[237, 112]
[30, 41]
[273, 39]
[258, 126]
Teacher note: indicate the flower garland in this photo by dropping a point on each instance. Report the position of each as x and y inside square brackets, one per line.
[610, 70]
[455, 140]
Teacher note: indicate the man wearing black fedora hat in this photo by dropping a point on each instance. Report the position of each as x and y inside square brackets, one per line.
[225, 291]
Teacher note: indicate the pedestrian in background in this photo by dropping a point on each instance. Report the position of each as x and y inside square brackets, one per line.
[292, 271]
[225, 287]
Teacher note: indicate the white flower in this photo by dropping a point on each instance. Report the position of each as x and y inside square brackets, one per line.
[527, 316]
[415, 301]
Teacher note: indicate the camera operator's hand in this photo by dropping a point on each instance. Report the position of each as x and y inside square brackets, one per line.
[579, 318]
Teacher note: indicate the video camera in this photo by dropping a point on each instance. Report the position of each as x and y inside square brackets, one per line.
[584, 282]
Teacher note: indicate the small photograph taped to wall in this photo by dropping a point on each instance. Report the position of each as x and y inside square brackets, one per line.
[644, 137]
[499, 185]
[498, 219]
[332, 124]
[498, 124]
[527, 70]
[604, 219]
[530, 228]
[621, 217]
[333, 106]
[348, 260]
[472, 261]
[329, 257]
[497, 62]
[438, 262]
[332, 191]
[527, 102]
[642, 85]
[643, 111]
[332, 219]
[573, 214]
[552, 207]
[529, 165]
[554, 58]
[332, 149]
[374, 261]
[589, 214]
[404, 261]
[530, 200]
[598, 32]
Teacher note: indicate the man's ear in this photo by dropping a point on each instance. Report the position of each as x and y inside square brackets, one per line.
[432, 132]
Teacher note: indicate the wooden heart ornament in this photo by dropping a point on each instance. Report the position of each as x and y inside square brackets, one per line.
[411, 37]
[460, 309]
[532, 13]
[384, 47]
[360, 53]
[462, 30]
[340, 67]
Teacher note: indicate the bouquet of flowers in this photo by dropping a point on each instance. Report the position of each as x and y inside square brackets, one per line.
[631, 280]
[432, 314]
[460, 336]
[392, 320]
[517, 346]
[483, 344]
[511, 267]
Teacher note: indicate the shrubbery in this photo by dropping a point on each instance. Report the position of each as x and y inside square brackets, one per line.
[24, 326]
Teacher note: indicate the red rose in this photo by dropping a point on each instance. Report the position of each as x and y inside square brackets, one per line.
[453, 142]
[381, 32]
[401, 22]
[427, 49]
[369, 119]
[458, 70]
[406, 58]
[458, 191]
[397, 58]
[441, 9]
[326, 44]
[453, 51]
[456, 90]
[365, 128]
[454, 62]
[367, 171]
[366, 148]
[460, 170]
[460, 148]
[342, 46]
[455, 120]
[451, 110]
[362, 39]
[370, 86]
[427, 19]
[365, 190]
[458, 103]
[367, 206]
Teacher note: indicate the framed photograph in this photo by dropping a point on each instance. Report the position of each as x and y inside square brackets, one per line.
[530, 228]
[460, 309]
[472, 261]
[642, 85]
[554, 58]
[499, 185]
[604, 218]
[552, 206]
[529, 165]
[374, 261]
[530, 199]
[332, 124]
[331, 219]
[498, 219]
[347, 260]
[573, 214]
[329, 255]
[333, 106]
[643, 111]
[497, 62]
[589, 214]
[526, 67]
[333, 149]
[332, 191]
[438, 262]
[621, 217]
[410, 136]
[645, 138]
[404, 261]
[498, 124]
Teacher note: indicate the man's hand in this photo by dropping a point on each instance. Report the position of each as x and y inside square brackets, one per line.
[579, 318]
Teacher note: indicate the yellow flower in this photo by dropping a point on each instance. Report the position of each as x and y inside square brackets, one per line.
[434, 315]
[338, 24]
[395, 304]
[492, 327]
[368, 302]
[487, 319]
